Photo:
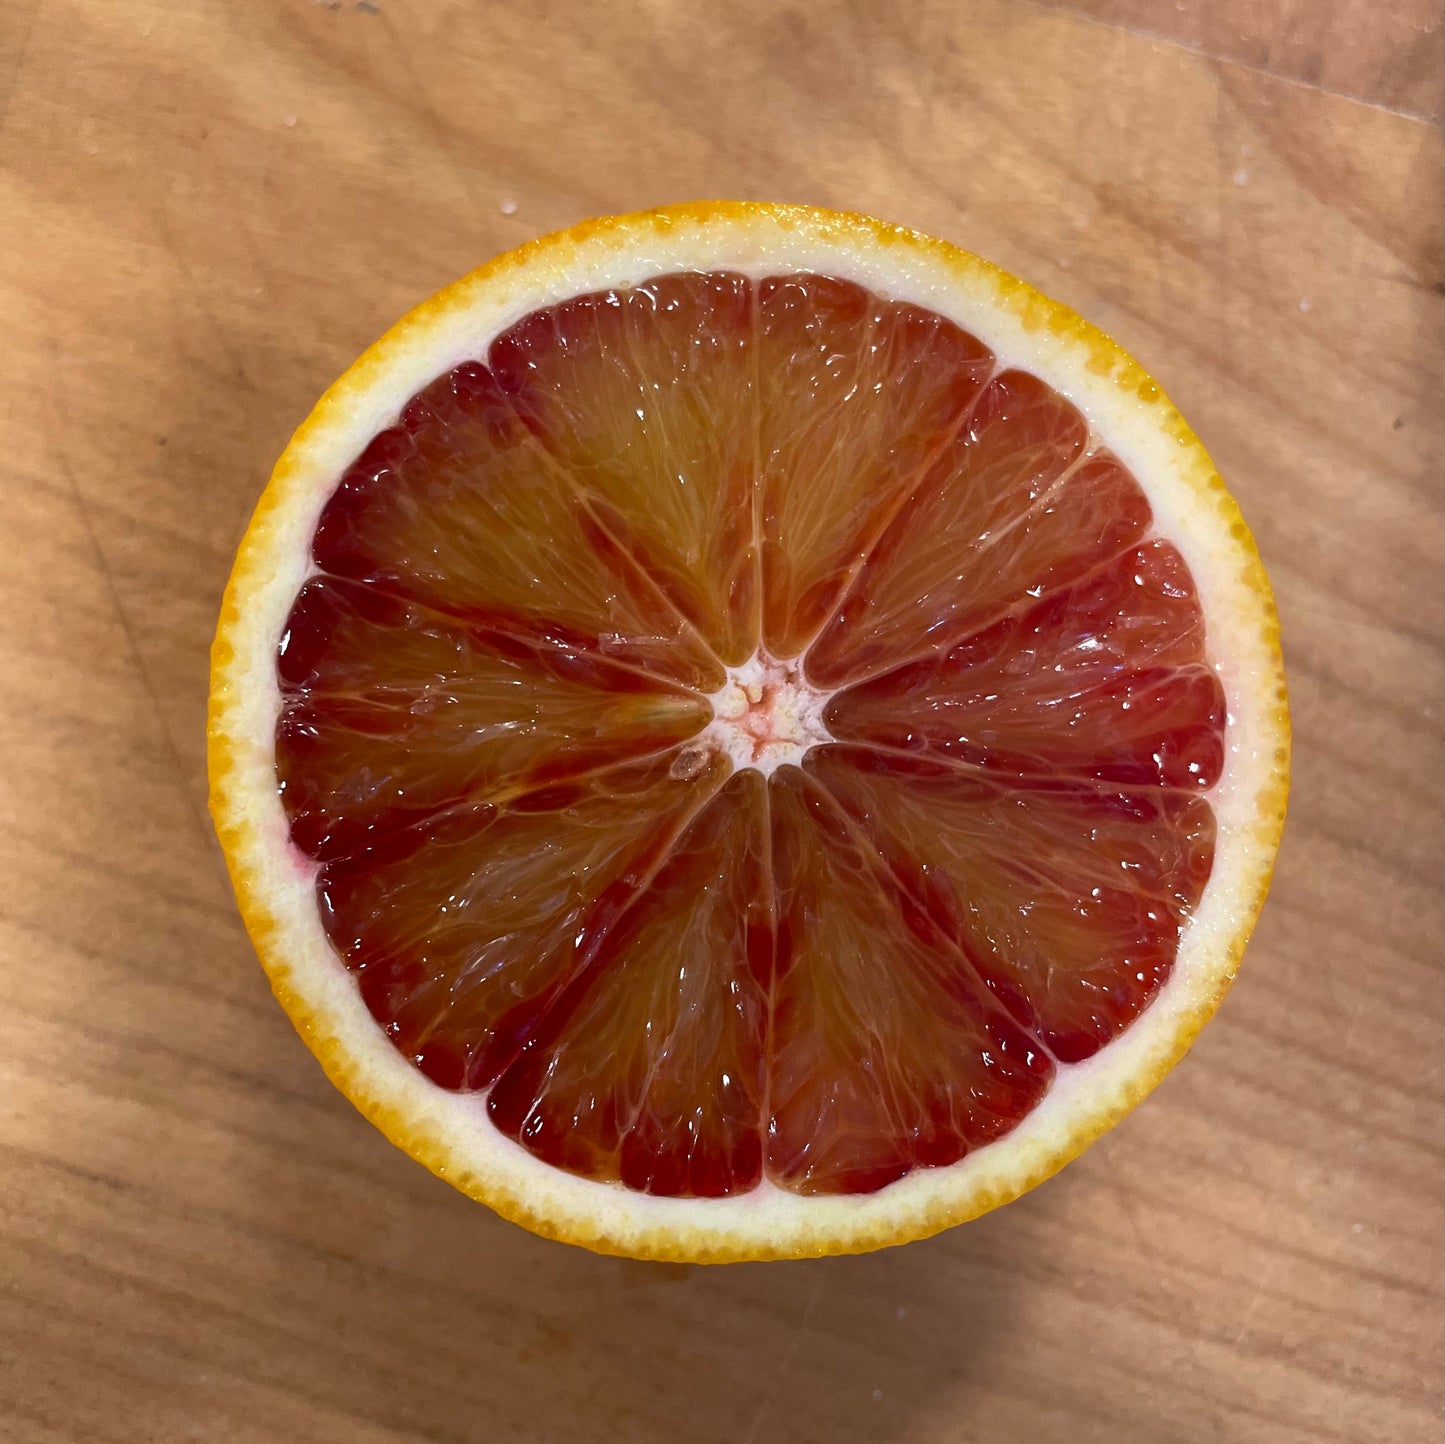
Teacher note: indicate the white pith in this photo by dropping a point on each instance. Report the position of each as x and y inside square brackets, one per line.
[766, 714]
[452, 1130]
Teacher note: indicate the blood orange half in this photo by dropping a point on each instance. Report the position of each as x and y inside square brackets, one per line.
[742, 731]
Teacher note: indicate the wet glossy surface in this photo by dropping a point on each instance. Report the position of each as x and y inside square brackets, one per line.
[533, 851]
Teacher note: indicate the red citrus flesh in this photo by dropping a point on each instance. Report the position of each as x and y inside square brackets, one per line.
[864, 956]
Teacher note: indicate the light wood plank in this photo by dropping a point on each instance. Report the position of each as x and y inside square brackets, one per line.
[206, 211]
[1391, 55]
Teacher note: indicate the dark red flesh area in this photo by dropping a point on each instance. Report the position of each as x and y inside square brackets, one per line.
[554, 894]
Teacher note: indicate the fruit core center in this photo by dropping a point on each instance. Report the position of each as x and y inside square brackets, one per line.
[766, 714]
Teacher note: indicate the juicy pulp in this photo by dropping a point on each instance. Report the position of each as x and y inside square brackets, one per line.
[559, 884]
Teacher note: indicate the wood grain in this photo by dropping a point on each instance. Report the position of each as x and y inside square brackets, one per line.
[206, 210]
[1390, 55]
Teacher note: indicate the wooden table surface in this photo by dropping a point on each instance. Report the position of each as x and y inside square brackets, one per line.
[207, 208]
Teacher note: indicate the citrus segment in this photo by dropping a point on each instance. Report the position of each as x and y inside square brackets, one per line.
[645, 399]
[886, 1052]
[1107, 680]
[459, 507]
[392, 711]
[465, 928]
[855, 395]
[651, 1071]
[1009, 511]
[1067, 899]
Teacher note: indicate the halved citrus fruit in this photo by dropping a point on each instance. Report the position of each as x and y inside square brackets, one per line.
[742, 731]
